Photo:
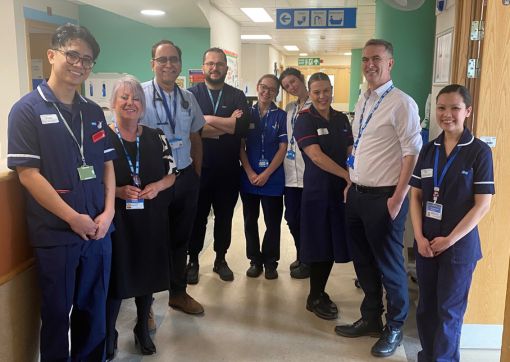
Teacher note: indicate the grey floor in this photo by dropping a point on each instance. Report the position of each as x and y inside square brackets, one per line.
[263, 320]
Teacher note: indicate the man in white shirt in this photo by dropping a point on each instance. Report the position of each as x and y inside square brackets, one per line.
[387, 142]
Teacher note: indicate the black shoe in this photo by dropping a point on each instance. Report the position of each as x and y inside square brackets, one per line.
[143, 341]
[111, 345]
[328, 300]
[360, 328]
[254, 270]
[225, 273]
[322, 308]
[271, 273]
[296, 263]
[192, 272]
[300, 272]
[388, 343]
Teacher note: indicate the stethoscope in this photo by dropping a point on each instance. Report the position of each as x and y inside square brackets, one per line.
[156, 97]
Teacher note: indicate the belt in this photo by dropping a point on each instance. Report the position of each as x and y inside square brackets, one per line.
[182, 170]
[374, 190]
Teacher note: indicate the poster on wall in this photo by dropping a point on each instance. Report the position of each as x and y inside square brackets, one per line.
[181, 82]
[232, 73]
[195, 76]
[37, 72]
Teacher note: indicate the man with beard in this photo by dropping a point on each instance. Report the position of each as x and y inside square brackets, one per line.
[227, 116]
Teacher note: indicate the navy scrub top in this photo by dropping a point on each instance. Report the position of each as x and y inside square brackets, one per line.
[470, 173]
[274, 127]
[38, 138]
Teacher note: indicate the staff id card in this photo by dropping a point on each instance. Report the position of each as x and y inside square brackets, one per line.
[263, 163]
[134, 204]
[86, 172]
[291, 154]
[176, 143]
[434, 210]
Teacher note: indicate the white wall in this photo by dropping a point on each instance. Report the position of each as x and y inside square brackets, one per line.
[58, 7]
[258, 59]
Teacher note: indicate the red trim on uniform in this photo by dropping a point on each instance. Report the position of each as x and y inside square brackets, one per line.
[305, 137]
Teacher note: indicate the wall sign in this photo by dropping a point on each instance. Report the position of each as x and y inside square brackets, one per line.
[316, 18]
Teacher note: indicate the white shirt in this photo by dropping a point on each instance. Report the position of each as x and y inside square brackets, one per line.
[392, 133]
[295, 168]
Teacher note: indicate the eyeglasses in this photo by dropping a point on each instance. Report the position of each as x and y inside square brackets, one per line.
[213, 64]
[163, 60]
[265, 88]
[73, 58]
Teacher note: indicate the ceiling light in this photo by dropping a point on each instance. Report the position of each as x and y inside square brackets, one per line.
[348, 53]
[257, 15]
[291, 48]
[255, 37]
[303, 54]
[152, 12]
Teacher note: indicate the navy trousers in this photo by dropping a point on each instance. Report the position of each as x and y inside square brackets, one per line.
[272, 206]
[444, 289]
[376, 244]
[74, 285]
[293, 213]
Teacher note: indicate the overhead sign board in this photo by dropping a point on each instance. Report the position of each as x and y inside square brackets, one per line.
[309, 61]
[316, 18]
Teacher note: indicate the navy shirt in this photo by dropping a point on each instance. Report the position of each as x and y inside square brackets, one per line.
[38, 138]
[333, 137]
[222, 154]
[274, 128]
[470, 173]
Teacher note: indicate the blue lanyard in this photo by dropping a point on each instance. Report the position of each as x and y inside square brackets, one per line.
[167, 108]
[263, 136]
[215, 105]
[374, 108]
[135, 171]
[437, 182]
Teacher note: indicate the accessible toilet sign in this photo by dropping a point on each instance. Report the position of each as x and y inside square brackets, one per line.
[316, 18]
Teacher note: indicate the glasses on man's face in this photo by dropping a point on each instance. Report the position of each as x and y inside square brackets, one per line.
[164, 60]
[264, 88]
[73, 58]
[213, 64]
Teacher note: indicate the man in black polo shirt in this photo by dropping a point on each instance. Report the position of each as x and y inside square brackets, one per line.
[227, 117]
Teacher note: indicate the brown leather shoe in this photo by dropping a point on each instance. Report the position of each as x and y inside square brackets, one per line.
[185, 303]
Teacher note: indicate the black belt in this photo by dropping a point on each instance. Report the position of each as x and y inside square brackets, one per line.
[374, 190]
[178, 172]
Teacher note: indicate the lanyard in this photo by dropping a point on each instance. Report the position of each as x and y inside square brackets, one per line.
[437, 182]
[372, 111]
[135, 171]
[167, 108]
[295, 114]
[263, 136]
[215, 105]
[79, 144]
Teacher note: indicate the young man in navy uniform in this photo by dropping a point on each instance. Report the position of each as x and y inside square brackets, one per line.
[227, 115]
[178, 114]
[58, 146]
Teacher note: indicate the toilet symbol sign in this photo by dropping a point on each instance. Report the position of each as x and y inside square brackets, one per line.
[316, 18]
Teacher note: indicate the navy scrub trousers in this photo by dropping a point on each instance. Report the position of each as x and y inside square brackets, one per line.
[292, 215]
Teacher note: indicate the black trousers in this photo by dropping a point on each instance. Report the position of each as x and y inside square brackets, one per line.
[181, 212]
[222, 196]
[272, 206]
[376, 244]
[293, 213]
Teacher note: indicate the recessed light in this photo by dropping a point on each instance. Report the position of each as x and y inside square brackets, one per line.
[257, 15]
[303, 54]
[348, 53]
[291, 48]
[152, 12]
[255, 37]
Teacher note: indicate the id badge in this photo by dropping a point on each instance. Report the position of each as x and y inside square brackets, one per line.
[136, 204]
[263, 163]
[434, 210]
[350, 161]
[291, 154]
[176, 143]
[86, 172]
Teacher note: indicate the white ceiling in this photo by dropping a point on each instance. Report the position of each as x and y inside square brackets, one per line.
[186, 13]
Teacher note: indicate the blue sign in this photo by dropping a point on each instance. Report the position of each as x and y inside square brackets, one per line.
[316, 18]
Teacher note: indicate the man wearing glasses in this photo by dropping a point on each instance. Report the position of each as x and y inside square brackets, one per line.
[178, 114]
[227, 115]
[58, 146]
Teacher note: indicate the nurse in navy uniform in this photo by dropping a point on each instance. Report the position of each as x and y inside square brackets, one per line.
[452, 188]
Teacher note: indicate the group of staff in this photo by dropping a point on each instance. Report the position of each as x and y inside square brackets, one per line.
[170, 155]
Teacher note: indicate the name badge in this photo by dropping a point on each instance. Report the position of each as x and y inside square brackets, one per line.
[426, 172]
[263, 163]
[86, 172]
[434, 210]
[322, 131]
[176, 143]
[251, 126]
[350, 161]
[49, 118]
[134, 204]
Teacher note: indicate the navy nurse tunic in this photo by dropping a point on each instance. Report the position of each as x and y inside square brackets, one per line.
[323, 234]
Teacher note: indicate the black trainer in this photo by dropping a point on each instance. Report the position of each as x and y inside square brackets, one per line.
[225, 273]
[387, 345]
[192, 272]
[360, 328]
[271, 273]
[254, 270]
[322, 308]
[300, 272]
[294, 264]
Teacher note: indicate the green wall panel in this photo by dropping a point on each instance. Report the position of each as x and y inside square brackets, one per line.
[356, 77]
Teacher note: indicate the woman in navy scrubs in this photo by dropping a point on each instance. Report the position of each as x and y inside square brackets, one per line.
[325, 137]
[452, 187]
[263, 179]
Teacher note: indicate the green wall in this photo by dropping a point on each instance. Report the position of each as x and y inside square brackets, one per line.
[356, 78]
[412, 34]
[126, 44]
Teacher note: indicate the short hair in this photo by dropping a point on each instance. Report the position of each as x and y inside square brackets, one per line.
[163, 42]
[315, 77]
[273, 77]
[68, 32]
[215, 50]
[292, 71]
[459, 89]
[134, 85]
[381, 42]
